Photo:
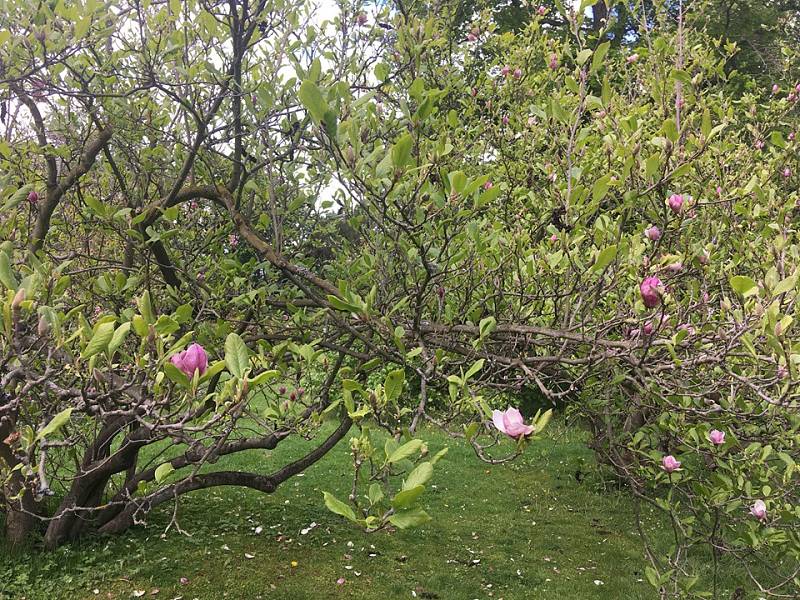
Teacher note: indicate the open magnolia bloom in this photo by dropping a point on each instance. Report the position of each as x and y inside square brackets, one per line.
[511, 422]
[194, 358]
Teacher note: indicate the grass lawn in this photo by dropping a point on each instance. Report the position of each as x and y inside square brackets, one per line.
[520, 531]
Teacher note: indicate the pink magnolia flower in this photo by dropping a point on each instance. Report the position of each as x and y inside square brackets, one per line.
[340, 581]
[787, 172]
[791, 136]
[505, 119]
[759, 510]
[719, 190]
[782, 372]
[647, 329]
[471, 37]
[361, 19]
[670, 464]
[797, 88]
[553, 62]
[675, 203]
[653, 233]
[233, 240]
[517, 73]
[675, 267]
[792, 97]
[488, 185]
[632, 58]
[703, 258]
[505, 71]
[717, 437]
[649, 289]
[542, 10]
[511, 423]
[194, 358]
[33, 197]
[554, 238]
[775, 88]
[759, 144]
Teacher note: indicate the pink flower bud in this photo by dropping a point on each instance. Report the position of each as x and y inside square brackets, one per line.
[361, 19]
[675, 267]
[703, 258]
[787, 172]
[679, 102]
[653, 233]
[791, 97]
[632, 58]
[471, 37]
[488, 185]
[554, 238]
[194, 358]
[233, 240]
[340, 581]
[647, 328]
[440, 292]
[33, 197]
[300, 391]
[759, 144]
[553, 62]
[716, 437]
[517, 73]
[782, 372]
[670, 464]
[675, 202]
[649, 289]
[505, 71]
[505, 119]
[706, 297]
[791, 136]
[541, 11]
[797, 88]
[282, 390]
[775, 88]
[759, 510]
[719, 191]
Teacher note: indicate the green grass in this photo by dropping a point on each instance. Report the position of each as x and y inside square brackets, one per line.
[521, 531]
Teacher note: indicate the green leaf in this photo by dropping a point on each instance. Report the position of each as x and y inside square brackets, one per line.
[100, 340]
[393, 384]
[340, 304]
[604, 258]
[784, 286]
[338, 507]
[405, 451]
[419, 476]
[583, 56]
[263, 377]
[600, 188]
[119, 336]
[743, 285]
[476, 366]
[6, 274]
[237, 356]
[55, 424]
[312, 99]
[162, 471]
[401, 151]
[375, 494]
[599, 55]
[409, 518]
[406, 498]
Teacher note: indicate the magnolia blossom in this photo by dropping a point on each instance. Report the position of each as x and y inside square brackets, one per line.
[719, 190]
[553, 62]
[717, 437]
[787, 172]
[542, 10]
[650, 292]
[653, 233]
[361, 19]
[33, 197]
[669, 463]
[511, 423]
[632, 58]
[759, 144]
[675, 267]
[675, 203]
[775, 88]
[194, 358]
[647, 329]
[759, 510]
[554, 237]
[505, 71]
[505, 119]
[517, 73]
[471, 37]
[488, 185]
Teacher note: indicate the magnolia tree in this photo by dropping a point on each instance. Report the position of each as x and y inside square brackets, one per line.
[229, 223]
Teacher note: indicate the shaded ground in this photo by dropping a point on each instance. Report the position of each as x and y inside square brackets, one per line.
[542, 527]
